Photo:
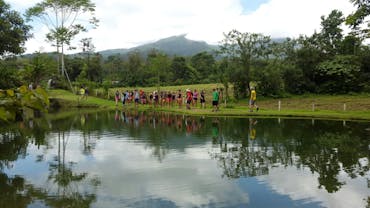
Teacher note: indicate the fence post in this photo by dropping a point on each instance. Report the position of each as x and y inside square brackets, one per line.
[313, 106]
[279, 104]
[344, 107]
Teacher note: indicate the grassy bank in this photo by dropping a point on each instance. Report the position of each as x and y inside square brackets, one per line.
[349, 107]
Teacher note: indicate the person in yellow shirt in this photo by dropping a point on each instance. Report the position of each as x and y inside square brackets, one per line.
[252, 100]
[82, 92]
[252, 128]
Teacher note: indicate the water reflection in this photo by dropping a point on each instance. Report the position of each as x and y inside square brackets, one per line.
[123, 159]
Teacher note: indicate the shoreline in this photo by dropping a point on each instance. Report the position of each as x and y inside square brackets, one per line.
[65, 100]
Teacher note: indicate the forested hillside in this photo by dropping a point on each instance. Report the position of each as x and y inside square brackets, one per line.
[175, 45]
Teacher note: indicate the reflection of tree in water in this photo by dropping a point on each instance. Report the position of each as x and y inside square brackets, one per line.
[15, 192]
[289, 143]
[316, 147]
[15, 138]
[323, 146]
[90, 125]
[12, 145]
[335, 152]
[159, 130]
[235, 154]
[67, 182]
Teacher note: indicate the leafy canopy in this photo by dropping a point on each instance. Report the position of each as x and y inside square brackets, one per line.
[14, 32]
[62, 18]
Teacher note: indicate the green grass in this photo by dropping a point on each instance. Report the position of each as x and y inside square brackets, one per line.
[326, 106]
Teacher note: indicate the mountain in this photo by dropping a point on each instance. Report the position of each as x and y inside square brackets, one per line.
[175, 45]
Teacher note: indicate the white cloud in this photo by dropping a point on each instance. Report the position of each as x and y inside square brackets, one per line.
[127, 23]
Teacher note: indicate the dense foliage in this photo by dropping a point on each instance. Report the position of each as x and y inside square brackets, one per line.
[15, 103]
[14, 32]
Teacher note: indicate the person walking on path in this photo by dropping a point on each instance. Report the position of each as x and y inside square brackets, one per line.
[252, 100]
[136, 97]
[215, 98]
[86, 93]
[202, 99]
[82, 93]
[116, 97]
[123, 98]
[189, 98]
[179, 98]
[195, 98]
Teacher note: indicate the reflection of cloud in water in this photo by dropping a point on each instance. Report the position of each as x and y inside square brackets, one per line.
[302, 185]
[134, 175]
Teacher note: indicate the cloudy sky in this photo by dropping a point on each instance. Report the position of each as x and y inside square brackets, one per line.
[128, 23]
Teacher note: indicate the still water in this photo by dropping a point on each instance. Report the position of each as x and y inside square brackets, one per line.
[123, 159]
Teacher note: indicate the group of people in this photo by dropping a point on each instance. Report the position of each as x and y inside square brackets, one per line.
[192, 98]
[128, 97]
[166, 98]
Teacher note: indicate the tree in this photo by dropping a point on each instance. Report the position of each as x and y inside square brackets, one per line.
[356, 19]
[9, 74]
[75, 65]
[134, 70]
[331, 33]
[364, 77]
[158, 65]
[204, 63]
[268, 77]
[62, 17]
[38, 69]
[14, 31]
[94, 68]
[340, 75]
[309, 55]
[285, 61]
[181, 71]
[113, 66]
[223, 69]
[243, 48]
[350, 45]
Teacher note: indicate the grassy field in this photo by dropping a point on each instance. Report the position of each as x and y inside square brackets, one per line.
[351, 107]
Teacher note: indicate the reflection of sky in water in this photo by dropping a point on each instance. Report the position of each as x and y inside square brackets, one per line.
[301, 184]
[131, 176]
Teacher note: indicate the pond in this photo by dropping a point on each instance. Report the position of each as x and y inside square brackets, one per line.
[135, 159]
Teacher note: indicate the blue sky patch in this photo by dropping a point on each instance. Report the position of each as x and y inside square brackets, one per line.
[251, 5]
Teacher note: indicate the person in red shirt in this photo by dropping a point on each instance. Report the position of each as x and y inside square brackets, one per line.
[189, 98]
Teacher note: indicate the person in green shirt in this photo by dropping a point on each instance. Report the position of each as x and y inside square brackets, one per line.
[215, 98]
